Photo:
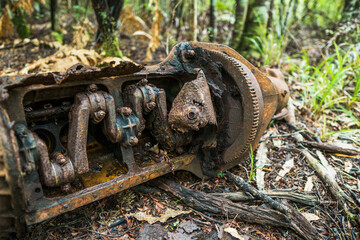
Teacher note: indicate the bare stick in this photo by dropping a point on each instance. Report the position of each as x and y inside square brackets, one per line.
[289, 195]
[331, 148]
[330, 181]
[257, 194]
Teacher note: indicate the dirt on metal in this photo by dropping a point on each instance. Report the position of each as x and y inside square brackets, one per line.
[75, 137]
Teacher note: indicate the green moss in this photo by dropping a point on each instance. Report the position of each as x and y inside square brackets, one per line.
[110, 45]
[19, 20]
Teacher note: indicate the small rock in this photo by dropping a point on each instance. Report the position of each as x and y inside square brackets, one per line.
[178, 236]
[188, 226]
[153, 232]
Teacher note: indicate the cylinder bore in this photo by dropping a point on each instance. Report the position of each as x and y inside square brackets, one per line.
[48, 138]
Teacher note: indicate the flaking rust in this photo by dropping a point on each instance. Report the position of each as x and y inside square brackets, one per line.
[199, 110]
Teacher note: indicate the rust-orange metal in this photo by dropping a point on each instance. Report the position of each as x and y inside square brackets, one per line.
[72, 138]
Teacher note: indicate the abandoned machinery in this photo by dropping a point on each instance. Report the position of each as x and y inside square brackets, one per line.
[69, 139]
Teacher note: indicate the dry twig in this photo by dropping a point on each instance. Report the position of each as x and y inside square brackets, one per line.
[207, 203]
[331, 148]
[289, 195]
[330, 181]
[257, 194]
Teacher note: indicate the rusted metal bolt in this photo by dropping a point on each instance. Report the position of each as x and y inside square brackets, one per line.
[124, 111]
[92, 88]
[28, 109]
[99, 115]
[66, 188]
[150, 105]
[47, 106]
[60, 159]
[143, 82]
[133, 141]
[4, 95]
[192, 115]
[66, 104]
[189, 54]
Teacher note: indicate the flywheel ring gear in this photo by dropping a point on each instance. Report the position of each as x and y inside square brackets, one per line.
[252, 104]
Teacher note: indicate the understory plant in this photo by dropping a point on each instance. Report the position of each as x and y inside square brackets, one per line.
[333, 84]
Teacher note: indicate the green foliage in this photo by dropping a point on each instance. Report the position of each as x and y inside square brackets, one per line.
[224, 6]
[37, 9]
[78, 12]
[58, 36]
[252, 169]
[318, 13]
[252, 164]
[110, 46]
[19, 21]
[269, 46]
[333, 84]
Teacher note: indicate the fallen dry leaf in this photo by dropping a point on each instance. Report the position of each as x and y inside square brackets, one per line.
[325, 163]
[169, 213]
[347, 166]
[113, 61]
[288, 165]
[233, 232]
[131, 23]
[309, 184]
[310, 216]
[141, 35]
[6, 25]
[62, 60]
[277, 142]
[155, 31]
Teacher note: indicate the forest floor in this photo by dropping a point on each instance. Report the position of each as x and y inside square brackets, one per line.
[117, 217]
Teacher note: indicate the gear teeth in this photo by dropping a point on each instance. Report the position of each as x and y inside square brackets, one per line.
[254, 99]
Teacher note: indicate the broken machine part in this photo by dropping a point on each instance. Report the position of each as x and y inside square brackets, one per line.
[72, 138]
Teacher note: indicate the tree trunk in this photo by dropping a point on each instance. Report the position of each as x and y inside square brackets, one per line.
[294, 10]
[284, 26]
[270, 16]
[115, 7]
[212, 21]
[108, 41]
[178, 18]
[255, 22]
[20, 23]
[241, 12]
[193, 20]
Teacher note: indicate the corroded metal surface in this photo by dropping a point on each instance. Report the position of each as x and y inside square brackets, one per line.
[76, 137]
[192, 108]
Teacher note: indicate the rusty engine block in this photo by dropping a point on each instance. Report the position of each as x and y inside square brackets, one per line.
[69, 139]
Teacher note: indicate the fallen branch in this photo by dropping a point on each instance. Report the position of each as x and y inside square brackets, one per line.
[330, 181]
[257, 194]
[207, 203]
[309, 142]
[325, 173]
[331, 148]
[289, 195]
